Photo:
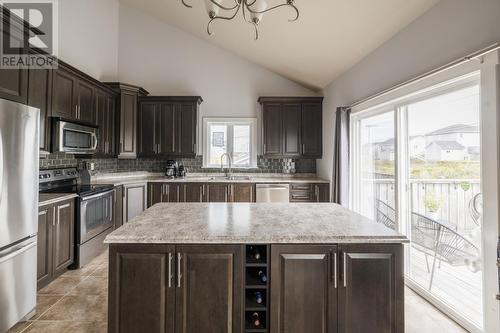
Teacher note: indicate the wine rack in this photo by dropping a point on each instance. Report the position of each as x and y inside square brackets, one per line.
[254, 284]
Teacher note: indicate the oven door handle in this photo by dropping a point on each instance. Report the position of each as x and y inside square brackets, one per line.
[94, 139]
[97, 196]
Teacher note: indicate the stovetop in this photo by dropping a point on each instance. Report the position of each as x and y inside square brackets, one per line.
[80, 189]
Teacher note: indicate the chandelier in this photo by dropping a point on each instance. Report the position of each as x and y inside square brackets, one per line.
[252, 10]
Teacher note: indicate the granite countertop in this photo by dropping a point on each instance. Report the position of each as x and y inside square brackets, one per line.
[45, 199]
[130, 178]
[240, 223]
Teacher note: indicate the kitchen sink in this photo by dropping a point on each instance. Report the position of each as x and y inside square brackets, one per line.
[229, 178]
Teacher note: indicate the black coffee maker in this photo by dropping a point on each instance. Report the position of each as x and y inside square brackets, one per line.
[171, 169]
[181, 171]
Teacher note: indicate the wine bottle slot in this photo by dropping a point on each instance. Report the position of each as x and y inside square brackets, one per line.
[255, 319]
[254, 253]
[262, 276]
[258, 297]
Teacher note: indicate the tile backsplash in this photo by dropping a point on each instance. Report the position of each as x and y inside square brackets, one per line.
[264, 165]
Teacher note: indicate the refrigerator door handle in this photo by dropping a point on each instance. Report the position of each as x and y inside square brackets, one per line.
[16, 251]
[1, 167]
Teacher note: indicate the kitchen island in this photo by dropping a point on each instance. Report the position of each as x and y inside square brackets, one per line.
[246, 267]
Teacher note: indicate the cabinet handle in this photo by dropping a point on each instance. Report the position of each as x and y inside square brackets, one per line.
[316, 190]
[170, 275]
[303, 148]
[43, 212]
[345, 270]
[167, 192]
[179, 274]
[53, 217]
[201, 193]
[264, 150]
[335, 269]
[225, 194]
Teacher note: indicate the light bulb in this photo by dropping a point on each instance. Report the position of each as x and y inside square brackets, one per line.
[212, 9]
[258, 6]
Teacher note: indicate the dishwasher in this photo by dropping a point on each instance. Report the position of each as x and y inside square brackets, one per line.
[272, 193]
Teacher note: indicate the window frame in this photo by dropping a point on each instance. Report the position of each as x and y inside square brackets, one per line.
[231, 121]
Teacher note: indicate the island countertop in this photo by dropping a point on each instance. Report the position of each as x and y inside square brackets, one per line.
[242, 223]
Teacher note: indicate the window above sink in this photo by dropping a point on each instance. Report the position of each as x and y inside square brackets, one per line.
[234, 136]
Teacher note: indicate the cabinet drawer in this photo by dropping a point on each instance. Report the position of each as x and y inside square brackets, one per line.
[301, 187]
[302, 196]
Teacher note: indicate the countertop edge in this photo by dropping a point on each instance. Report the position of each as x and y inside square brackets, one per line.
[63, 197]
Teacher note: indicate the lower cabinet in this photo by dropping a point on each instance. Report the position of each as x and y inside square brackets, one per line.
[166, 288]
[55, 246]
[134, 200]
[166, 192]
[242, 192]
[195, 192]
[308, 192]
[303, 289]
[118, 207]
[218, 192]
[200, 192]
[371, 288]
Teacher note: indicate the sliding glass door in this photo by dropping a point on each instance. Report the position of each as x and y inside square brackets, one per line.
[428, 147]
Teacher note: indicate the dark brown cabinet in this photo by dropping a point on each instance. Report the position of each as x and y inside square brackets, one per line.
[173, 284]
[39, 96]
[105, 119]
[13, 81]
[308, 192]
[304, 289]
[242, 192]
[216, 309]
[166, 192]
[292, 127]
[126, 118]
[167, 126]
[218, 192]
[72, 96]
[195, 192]
[55, 240]
[118, 207]
[371, 288]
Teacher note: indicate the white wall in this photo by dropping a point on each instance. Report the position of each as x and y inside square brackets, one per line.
[168, 61]
[450, 30]
[88, 36]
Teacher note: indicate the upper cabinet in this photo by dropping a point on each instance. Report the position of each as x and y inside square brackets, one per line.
[126, 118]
[72, 95]
[167, 126]
[105, 118]
[292, 127]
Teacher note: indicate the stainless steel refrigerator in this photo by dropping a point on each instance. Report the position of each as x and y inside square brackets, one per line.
[19, 127]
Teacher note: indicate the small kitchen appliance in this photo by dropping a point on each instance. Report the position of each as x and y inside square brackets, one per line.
[171, 169]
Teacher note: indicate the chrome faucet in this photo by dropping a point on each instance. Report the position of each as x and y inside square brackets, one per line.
[230, 163]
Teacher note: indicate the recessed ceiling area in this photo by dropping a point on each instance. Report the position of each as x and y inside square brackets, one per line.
[329, 37]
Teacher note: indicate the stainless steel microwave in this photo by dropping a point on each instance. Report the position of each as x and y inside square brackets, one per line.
[74, 138]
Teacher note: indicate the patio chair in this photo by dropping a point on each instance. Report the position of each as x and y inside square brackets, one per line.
[385, 214]
[443, 243]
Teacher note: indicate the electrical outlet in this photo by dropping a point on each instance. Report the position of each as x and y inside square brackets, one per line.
[91, 166]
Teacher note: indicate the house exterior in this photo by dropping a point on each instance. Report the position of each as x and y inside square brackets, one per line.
[445, 151]
[466, 135]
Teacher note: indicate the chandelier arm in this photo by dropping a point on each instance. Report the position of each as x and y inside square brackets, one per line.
[250, 4]
[185, 4]
[275, 7]
[256, 30]
[223, 7]
[245, 15]
[228, 18]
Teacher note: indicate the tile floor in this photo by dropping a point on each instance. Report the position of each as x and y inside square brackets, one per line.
[76, 302]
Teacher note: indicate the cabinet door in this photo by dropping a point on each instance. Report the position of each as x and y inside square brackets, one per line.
[63, 94]
[187, 129]
[118, 208]
[174, 193]
[303, 289]
[39, 96]
[85, 101]
[213, 309]
[44, 246]
[291, 129]
[155, 193]
[217, 193]
[111, 125]
[101, 118]
[167, 129]
[147, 303]
[135, 200]
[146, 137]
[272, 127]
[128, 122]
[371, 294]
[312, 129]
[13, 82]
[322, 192]
[63, 240]
[242, 193]
[195, 192]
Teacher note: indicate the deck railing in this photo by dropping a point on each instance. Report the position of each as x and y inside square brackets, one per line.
[452, 196]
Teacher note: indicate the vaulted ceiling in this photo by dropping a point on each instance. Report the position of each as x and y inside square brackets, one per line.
[329, 37]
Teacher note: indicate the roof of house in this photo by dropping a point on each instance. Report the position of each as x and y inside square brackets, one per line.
[474, 150]
[388, 142]
[452, 129]
[447, 145]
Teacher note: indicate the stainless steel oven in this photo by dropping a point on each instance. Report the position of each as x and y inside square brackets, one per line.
[96, 214]
[75, 138]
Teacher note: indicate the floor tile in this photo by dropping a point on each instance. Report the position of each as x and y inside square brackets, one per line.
[78, 308]
[92, 285]
[84, 271]
[66, 327]
[20, 327]
[101, 271]
[61, 286]
[43, 303]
